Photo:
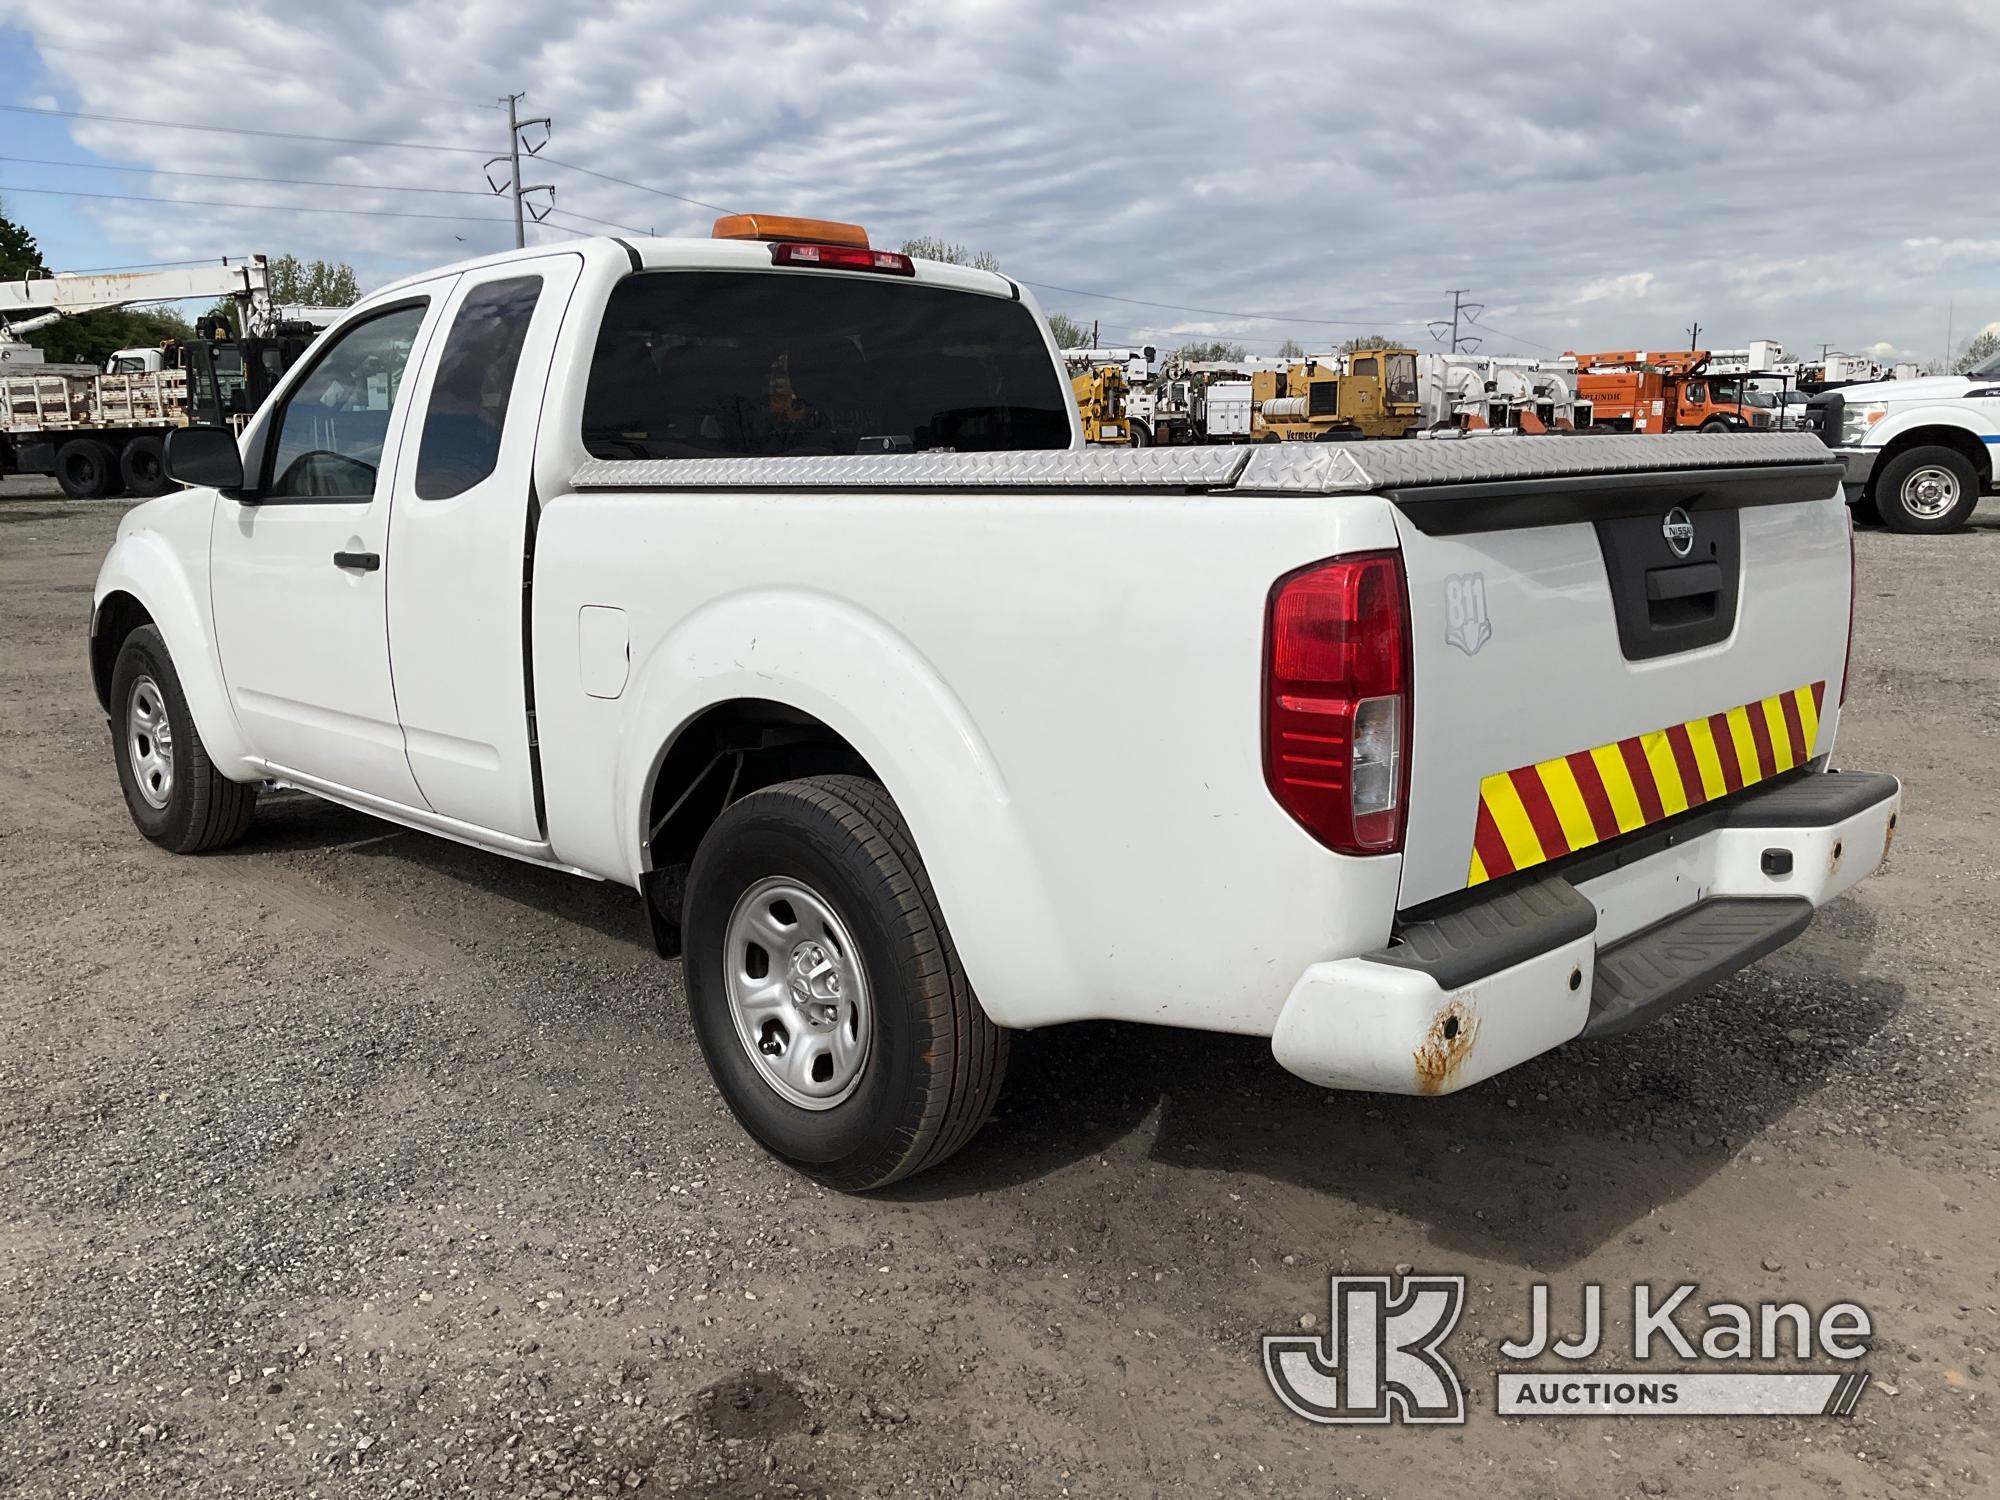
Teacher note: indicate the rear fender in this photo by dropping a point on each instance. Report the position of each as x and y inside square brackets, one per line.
[823, 656]
[142, 564]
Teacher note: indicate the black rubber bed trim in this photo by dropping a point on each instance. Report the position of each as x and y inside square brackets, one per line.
[1497, 932]
[1651, 972]
[1504, 504]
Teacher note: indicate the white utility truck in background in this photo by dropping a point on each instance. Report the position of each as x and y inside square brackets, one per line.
[768, 575]
[1916, 454]
[103, 432]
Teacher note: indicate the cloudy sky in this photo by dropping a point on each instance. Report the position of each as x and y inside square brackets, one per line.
[1598, 176]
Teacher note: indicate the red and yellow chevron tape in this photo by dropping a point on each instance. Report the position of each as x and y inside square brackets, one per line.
[1544, 811]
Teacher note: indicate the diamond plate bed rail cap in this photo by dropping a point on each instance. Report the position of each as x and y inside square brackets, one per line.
[1068, 468]
[1354, 467]
[1283, 468]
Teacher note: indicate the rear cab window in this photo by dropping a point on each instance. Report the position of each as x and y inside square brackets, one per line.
[468, 406]
[722, 364]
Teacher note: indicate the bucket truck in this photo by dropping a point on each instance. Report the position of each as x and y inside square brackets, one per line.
[103, 432]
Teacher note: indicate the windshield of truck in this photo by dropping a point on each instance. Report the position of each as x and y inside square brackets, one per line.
[716, 364]
[1401, 377]
[1731, 393]
[1986, 369]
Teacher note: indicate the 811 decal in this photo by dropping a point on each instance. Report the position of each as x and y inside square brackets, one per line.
[1466, 625]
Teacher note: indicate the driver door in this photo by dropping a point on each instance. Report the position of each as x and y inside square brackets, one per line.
[298, 572]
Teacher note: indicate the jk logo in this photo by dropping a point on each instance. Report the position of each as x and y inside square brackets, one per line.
[1380, 1360]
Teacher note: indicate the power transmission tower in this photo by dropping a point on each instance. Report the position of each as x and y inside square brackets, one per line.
[1469, 310]
[512, 187]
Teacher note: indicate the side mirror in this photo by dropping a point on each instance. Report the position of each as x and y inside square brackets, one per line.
[206, 457]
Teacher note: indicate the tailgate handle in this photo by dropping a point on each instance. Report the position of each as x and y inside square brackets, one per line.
[1663, 584]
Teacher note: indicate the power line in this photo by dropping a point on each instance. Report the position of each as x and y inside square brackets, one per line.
[283, 208]
[592, 219]
[275, 135]
[359, 187]
[1503, 333]
[343, 140]
[642, 187]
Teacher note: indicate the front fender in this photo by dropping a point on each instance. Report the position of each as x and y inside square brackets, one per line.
[849, 669]
[1897, 425]
[145, 565]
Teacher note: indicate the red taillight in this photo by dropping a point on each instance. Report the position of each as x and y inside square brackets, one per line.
[1847, 662]
[1337, 701]
[842, 258]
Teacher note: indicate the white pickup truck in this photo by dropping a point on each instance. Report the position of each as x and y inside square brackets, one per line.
[1916, 454]
[768, 575]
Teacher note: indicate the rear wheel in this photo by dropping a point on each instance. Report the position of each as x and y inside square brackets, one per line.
[173, 791]
[85, 468]
[143, 466]
[1928, 489]
[825, 988]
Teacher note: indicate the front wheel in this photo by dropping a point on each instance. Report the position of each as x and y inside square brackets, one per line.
[1929, 489]
[825, 988]
[173, 791]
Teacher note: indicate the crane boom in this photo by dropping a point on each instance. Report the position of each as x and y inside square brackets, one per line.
[52, 298]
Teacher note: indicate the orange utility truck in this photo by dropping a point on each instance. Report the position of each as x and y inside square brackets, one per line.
[1632, 390]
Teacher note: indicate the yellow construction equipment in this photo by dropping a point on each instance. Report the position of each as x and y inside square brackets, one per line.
[1374, 397]
[1100, 400]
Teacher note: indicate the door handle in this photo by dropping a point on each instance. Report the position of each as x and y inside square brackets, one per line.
[367, 562]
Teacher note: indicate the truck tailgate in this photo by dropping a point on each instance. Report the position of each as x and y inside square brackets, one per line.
[1594, 653]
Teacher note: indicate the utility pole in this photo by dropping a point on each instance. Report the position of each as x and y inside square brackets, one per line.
[1469, 310]
[1694, 335]
[512, 187]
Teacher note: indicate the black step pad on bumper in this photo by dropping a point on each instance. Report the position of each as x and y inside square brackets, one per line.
[1495, 932]
[1653, 971]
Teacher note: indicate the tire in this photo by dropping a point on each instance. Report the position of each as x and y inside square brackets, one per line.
[1926, 490]
[1142, 436]
[922, 1062]
[143, 466]
[85, 468]
[1716, 424]
[193, 807]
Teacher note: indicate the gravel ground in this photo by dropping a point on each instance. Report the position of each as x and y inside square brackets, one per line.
[351, 1162]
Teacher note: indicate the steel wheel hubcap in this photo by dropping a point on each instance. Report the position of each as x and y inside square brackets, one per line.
[149, 742]
[1930, 492]
[798, 996]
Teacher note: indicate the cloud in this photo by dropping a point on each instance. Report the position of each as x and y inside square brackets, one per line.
[1596, 180]
[1633, 284]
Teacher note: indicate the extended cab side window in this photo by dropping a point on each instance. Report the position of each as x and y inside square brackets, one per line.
[335, 423]
[722, 364]
[468, 407]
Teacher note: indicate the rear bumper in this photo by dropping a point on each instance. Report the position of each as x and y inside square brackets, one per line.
[1604, 944]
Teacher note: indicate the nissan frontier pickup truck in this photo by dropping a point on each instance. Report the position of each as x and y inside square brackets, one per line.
[768, 575]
